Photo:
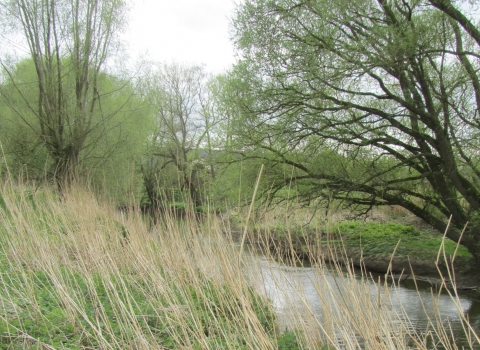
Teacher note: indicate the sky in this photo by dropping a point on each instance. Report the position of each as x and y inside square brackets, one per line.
[184, 31]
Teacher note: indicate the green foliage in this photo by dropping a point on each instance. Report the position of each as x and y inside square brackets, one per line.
[376, 238]
[235, 180]
[372, 230]
[289, 340]
[177, 205]
[120, 127]
[49, 321]
[25, 152]
[111, 159]
[62, 102]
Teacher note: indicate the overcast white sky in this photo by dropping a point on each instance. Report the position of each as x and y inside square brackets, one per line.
[185, 31]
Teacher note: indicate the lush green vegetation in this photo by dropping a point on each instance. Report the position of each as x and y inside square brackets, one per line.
[295, 232]
[168, 129]
[383, 238]
[350, 105]
[367, 103]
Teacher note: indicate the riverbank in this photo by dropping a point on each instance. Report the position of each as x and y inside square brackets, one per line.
[379, 246]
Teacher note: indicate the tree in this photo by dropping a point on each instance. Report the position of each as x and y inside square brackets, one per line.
[69, 42]
[370, 102]
[109, 152]
[182, 138]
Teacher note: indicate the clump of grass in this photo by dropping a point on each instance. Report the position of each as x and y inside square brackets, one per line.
[373, 230]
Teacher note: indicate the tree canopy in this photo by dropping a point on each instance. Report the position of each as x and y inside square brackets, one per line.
[119, 130]
[370, 102]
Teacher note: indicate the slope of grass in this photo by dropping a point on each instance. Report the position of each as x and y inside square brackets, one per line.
[77, 274]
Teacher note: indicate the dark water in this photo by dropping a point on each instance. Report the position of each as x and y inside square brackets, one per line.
[282, 283]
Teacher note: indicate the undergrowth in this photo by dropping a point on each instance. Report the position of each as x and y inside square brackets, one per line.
[50, 321]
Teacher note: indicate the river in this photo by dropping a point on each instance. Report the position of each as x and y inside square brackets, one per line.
[317, 292]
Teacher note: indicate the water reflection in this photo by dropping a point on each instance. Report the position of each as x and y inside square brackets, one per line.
[295, 290]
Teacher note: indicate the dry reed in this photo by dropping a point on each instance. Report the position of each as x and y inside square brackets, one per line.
[89, 276]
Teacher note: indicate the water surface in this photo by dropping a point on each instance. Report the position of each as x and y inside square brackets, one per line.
[304, 290]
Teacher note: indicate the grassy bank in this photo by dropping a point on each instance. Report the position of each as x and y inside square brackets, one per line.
[368, 243]
[76, 273]
[379, 238]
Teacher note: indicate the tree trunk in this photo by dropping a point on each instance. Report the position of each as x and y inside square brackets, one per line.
[471, 241]
[192, 190]
[66, 167]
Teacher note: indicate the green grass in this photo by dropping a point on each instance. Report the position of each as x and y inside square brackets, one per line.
[383, 237]
[49, 321]
[374, 238]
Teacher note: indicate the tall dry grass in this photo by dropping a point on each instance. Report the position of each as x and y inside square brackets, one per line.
[77, 273]
[103, 270]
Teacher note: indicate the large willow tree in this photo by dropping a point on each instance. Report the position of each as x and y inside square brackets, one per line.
[70, 42]
[373, 102]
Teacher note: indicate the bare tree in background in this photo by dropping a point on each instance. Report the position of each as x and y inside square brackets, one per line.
[179, 98]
